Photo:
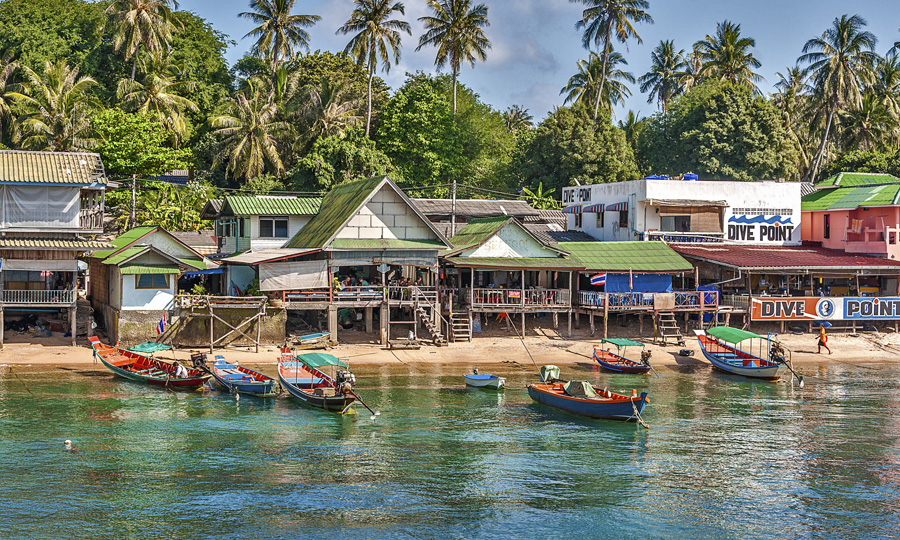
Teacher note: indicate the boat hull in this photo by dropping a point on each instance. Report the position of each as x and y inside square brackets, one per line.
[144, 369]
[619, 364]
[619, 407]
[235, 378]
[493, 381]
[745, 365]
[302, 384]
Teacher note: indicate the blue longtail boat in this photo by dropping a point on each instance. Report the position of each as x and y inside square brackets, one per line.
[583, 398]
[616, 361]
[241, 380]
[731, 350]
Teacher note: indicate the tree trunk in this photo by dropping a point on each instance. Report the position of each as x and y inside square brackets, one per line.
[454, 90]
[137, 52]
[602, 77]
[812, 172]
[369, 113]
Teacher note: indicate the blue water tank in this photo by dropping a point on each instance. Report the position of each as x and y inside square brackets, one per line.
[689, 176]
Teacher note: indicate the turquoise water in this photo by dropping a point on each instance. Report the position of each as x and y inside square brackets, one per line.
[724, 458]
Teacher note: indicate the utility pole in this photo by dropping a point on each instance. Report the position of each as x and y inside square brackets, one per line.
[453, 210]
[133, 199]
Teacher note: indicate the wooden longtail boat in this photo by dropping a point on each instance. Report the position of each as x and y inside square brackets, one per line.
[720, 346]
[236, 378]
[303, 379]
[617, 361]
[138, 367]
[583, 398]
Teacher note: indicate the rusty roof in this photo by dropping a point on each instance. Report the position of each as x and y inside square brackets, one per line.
[800, 259]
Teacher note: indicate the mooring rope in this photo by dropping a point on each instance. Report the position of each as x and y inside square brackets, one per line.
[638, 415]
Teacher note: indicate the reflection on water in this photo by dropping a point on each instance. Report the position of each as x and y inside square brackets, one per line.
[724, 458]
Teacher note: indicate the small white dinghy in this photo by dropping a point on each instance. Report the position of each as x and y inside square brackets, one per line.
[485, 381]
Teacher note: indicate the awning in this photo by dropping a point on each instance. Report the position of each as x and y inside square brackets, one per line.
[617, 207]
[137, 269]
[205, 272]
[594, 208]
[265, 255]
[574, 209]
[732, 335]
[297, 275]
[50, 265]
[685, 202]
[317, 360]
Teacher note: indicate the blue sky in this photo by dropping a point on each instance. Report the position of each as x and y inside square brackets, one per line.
[536, 46]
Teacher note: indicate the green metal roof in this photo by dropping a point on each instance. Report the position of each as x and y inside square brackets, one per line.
[317, 360]
[337, 207]
[622, 342]
[18, 166]
[52, 243]
[527, 263]
[731, 335]
[150, 269]
[851, 197]
[478, 231]
[199, 264]
[852, 179]
[125, 254]
[625, 256]
[242, 205]
[385, 243]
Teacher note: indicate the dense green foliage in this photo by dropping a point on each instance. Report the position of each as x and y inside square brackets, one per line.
[718, 130]
[135, 144]
[335, 159]
[859, 161]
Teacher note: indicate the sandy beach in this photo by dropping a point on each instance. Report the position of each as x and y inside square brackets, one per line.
[497, 346]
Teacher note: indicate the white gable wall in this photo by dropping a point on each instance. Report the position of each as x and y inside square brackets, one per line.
[166, 244]
[510, 241]
[387, 216]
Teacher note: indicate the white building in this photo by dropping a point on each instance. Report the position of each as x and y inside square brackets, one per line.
[683, 211]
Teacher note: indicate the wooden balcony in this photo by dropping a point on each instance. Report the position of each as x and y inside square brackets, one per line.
[684, 237]
[534, 299]
[637, 301]
[64, 297]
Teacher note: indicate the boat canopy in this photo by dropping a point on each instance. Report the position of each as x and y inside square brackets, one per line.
[149, 347]
[731, 335]
[317, 360]
[623, 342]
[582, 389]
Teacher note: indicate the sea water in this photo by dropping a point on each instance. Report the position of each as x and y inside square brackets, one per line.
[725, 457]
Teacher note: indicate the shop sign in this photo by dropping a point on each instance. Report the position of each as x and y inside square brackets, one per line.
[760, 228]
[825, 308]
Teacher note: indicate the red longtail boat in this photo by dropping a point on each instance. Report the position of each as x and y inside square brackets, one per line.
[138, 367]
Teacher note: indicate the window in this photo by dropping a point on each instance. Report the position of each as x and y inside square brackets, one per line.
[827, 225]
[242, 235]
[600, 219]
[151, 281]
[273, 227]
[623, 219]
[578, 221]
[675, 223]
[226, 228]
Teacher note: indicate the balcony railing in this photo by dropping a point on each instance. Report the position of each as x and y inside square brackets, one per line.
[684, 237]
[61, 297]
[371, 293]
[736, 300]
[684, 300]
[408, 293]
[481, 297]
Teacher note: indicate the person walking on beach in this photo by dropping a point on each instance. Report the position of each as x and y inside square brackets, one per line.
[823, 340]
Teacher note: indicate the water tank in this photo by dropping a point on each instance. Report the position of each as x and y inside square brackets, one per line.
[689, 176]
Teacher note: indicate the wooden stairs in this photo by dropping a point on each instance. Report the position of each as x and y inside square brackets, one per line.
[460, 327]
[425, 316]
[667, 328]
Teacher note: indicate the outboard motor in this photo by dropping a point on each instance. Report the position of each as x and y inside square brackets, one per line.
[645, 357]
[776, 353]
[198, 360]
[344, 380]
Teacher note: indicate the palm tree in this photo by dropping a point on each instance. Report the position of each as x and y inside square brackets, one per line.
[456, 29]
[250, 131]
[375, 34]
[58, 105]
[886, 84]
[840, 62]
[867, 126]
[692, 75]
[516, 117]
[582, 87]
[604, 19]
[792, 98]
[7, 67]
[331, 109]
[727, 56]
[630, 125]
[667, 67]
[279, 32]
[141, 23]
[155, 94]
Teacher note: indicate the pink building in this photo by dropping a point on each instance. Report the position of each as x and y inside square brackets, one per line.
[856, 213]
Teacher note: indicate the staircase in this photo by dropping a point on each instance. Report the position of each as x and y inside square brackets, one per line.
[426, 318]
[459, 326]
[667, 328]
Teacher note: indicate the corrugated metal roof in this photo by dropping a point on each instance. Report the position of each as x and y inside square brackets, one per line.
[242, 205]
[548, 216]
[622, 256]
[852, 179]
[384, 243]
[51, 167]
[337, 207]
[478, 231]
[196, 239]
[52, 243]
[149, 269]
[798, 259]
[264, 255]
[526, 263]
[551, 233]
[125, 254]
[851, 197]
[807, 188]
[474, 208]
[211, 209]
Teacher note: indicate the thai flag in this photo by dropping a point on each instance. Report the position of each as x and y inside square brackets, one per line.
[599, 279]
[161, 327]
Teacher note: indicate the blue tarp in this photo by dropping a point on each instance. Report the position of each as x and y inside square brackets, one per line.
[641, 283]
[205, 272]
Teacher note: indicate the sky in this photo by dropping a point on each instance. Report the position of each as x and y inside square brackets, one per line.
[536, 46]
